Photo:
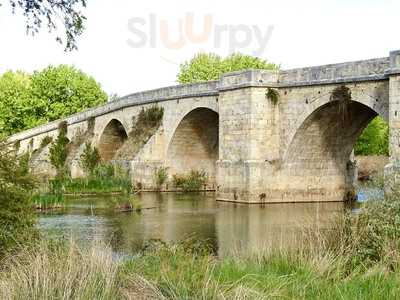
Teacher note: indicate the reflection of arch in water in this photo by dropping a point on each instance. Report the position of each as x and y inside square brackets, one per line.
[194, 145]
[256, 229]
[113, 137]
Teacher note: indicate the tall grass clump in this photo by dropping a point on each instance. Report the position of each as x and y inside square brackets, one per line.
[194, 181]
[54, 271]
[105, 178]
[160, 176]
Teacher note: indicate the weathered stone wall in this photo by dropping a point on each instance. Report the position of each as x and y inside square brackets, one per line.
[253, 149]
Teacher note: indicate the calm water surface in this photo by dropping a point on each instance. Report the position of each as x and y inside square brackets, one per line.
[230, 228]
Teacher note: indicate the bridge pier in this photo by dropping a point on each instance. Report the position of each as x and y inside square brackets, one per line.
[392, 170]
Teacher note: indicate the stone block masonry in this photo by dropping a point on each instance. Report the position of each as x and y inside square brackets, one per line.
[254, 150]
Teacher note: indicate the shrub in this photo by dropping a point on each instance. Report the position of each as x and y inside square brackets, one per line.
[46, 141]
[194, 181]
[160, 176]
[90, 158]
[272, 95]
[17, 218]
[59, 149]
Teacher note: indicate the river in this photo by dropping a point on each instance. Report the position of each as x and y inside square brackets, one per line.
[172, 217]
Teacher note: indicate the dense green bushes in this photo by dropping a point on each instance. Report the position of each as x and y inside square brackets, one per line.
[17, 218]
[374, 140]
[194, 181]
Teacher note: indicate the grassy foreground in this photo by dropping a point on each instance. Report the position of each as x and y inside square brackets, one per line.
[359, 258]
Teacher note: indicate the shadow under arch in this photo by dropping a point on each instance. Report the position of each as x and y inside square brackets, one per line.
[112, 138]
[195, 144]
[318, 156]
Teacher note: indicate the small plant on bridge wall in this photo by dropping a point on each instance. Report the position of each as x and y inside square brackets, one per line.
[46, 141]
[59, 150]
[272, 95]
[90, 158]
[342, 94]
[194, 181]
[144, 126]
[160, 176]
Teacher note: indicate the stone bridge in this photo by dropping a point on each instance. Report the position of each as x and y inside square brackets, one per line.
[261, 136]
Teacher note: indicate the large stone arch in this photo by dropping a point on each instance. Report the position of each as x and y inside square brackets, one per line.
[317, 158]
[194, 144]
[111, 139]
[374, 95]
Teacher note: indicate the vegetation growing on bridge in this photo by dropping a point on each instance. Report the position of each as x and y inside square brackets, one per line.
[144, 126]
[272, 95]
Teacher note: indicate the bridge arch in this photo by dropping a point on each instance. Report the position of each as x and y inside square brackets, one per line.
[318, 154]
[111, 139]
[194, 144]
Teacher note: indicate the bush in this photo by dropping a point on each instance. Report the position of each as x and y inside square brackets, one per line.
[90, 158]
[17, 218]
[160, 176]
[59, 149]
[194, 181]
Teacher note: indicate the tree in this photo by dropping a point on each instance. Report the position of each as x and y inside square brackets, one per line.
[374, 140]
[16, 108]
[27, 100]
[51, 13]
[208, 66]
[64, 90]
[17, 218]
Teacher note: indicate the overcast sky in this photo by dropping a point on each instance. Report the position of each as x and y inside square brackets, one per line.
[296, 34]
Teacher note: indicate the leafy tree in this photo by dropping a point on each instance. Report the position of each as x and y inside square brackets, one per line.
[63, 90]
[53, 93]
[17, 217]
[16, 106]
[52, 13]
[374, 140]
[209, 66]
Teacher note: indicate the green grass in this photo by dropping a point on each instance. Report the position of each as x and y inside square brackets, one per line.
[96, 185]
[66, 271]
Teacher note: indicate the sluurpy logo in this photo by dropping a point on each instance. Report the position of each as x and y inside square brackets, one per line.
[154, 33]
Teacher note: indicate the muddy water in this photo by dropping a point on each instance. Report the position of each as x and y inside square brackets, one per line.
[229, 228]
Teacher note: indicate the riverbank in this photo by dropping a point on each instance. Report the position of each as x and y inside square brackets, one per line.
[358, 258]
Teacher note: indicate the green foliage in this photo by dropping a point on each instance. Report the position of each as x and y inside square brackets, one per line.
[374, 140]
[204, 66]
[105, 178]
[59, 150]
[17, 107]
[160, 176]
[16, 216]
[90, 158]
[52, 13]
[144, 126]
[149, 118]
[27, 100]
[272, 95]
[46, 141]
[194, 181]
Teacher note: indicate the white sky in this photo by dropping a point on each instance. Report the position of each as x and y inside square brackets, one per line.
[306, 32]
